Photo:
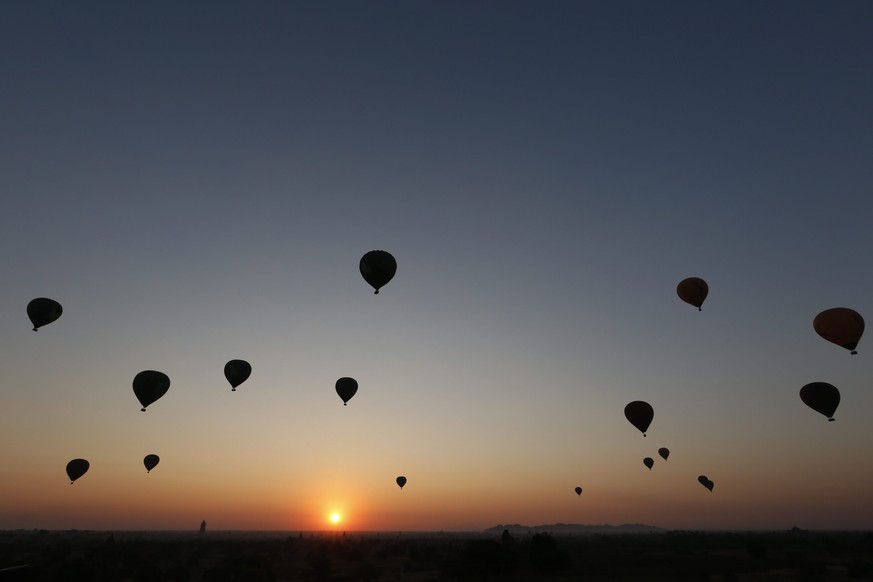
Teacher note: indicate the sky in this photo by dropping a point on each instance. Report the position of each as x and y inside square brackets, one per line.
[197, 182]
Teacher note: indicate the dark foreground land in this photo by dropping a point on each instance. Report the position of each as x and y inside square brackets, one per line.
[228, 556]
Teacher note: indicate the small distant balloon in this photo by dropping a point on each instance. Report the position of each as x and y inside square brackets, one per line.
[664, 452]
[578, 491]
[346, 388]
[237, 372]
[43, 311]
[76, 468]
[150, 462]
[841, 326]
[821, 397]
[703, 480]
[693, 291]
[401, 481]
[649, 462]
[150, 385]
[639, 414]
[378, 268]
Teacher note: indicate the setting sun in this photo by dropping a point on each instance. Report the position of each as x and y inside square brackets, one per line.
[335, 517]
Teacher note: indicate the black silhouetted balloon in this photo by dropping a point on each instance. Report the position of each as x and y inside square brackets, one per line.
[578, 491]
[840, 325]
[377, 268]
[43, 311]
[821, 397]
[401, 481]
[237, 372]
[150, 385]
[640, 414]
[346, 388]
[693, 290]
[703, 480]
[664, 452]
[150, 462]
[76, 468]
[649, 462]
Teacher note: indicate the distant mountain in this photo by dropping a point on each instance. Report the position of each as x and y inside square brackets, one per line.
[566, 528]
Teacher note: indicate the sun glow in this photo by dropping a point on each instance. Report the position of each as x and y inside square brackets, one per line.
[335, 518]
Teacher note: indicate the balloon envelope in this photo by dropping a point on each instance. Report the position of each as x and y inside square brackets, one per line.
[346, 388]
[703, 480]
[664, 452]
[821, 397]
[76, 468]
[841, 326]
[639, 414]
[578, 491]
[378, 268]
[693, 290]
[150, 462]
[42, 311]
[401, 481]
[150, 385]
[237, 372]
[649, 462]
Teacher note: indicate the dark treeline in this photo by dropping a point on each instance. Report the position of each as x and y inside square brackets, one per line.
[100, 556]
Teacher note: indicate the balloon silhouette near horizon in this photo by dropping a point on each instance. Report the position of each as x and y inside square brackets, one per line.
[237, 372]
[43, 311]
[664, 452]
[578, 490]
[378, 268]
[703, 480]
[841, 326]
[150, 462]
[76, 468]
[649, 462]
[150, 385]
[401, 481]
[693, 291]
[821, 397]
[639, 414]
[346, 388]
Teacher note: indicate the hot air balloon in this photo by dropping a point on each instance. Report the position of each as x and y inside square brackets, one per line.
[840, 325]
[76, 468]
[693, 290]
[578, 491]
[377, 268]
[346, 388]
[640, 414]
[664, 452]
[649, 462]
[821, 397]
[150, 385]
[703, 480]
[43, 311]
[401, 481]
[237, 372]
[150, 462]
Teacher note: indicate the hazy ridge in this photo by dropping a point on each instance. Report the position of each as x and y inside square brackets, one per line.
[516, 528]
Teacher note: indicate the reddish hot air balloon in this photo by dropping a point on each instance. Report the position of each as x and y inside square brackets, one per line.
[841, 326]
[693, 291]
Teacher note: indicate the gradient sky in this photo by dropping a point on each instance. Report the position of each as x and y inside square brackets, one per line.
[196, 182]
